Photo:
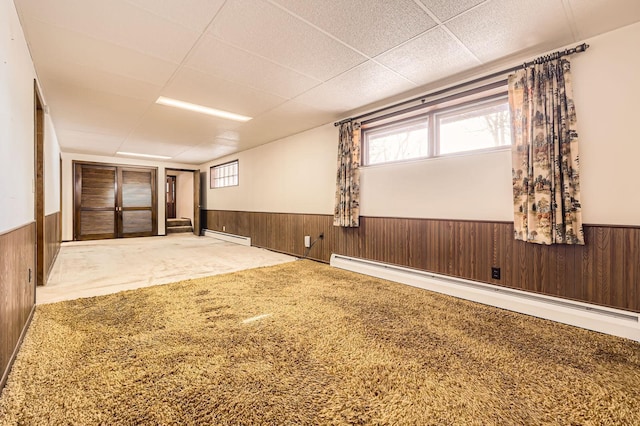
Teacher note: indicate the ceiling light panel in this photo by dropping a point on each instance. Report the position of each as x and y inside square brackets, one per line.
[201, 109]
[168, 125]
[268, 31]
[371, 27]
[216, 92]
[137, 154]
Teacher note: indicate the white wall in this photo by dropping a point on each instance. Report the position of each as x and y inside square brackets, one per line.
[16, 122]
[293, 175]
[297, 174]
[67, 185]
[184, 195]
[607, 95]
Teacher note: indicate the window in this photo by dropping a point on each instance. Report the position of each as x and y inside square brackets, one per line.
[467, 123]
[224, 175]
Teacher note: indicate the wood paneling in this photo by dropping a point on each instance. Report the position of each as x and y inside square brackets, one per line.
[606, 271]
[52, 240]
[17, 290]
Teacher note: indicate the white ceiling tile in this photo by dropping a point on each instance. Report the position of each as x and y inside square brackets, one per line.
[179, 127]
[87, 142]
[362, 85]
[64, 49]
[429, 57]
[266, 30]
[83, 77]
[192, 14]
[218, 58]
[151, 147]
[500, 28]
[446, 9]
[593, 17]
[117, 22]
[285, 120]
[203, 153]
[203, 89]
[92, 111]
[372, 27]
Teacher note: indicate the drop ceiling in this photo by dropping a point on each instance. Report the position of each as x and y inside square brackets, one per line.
[290, 64]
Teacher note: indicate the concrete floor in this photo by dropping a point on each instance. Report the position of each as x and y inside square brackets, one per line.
[93, 268]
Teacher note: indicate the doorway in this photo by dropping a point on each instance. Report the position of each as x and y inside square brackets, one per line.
[112, 201]
[182, 201]
[171, 196]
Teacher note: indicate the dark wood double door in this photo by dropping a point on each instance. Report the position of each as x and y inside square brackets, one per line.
[114, 201]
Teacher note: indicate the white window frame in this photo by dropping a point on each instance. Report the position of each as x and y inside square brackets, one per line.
[433, 112]
[224, 175]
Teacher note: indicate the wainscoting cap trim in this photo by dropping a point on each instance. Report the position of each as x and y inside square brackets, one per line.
[15, 228]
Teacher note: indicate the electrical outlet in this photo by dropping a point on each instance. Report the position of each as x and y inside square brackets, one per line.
[495, 273]
[307, 241]
[224, 228]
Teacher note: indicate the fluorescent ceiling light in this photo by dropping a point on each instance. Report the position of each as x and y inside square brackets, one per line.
[202, 109]
[135, 154]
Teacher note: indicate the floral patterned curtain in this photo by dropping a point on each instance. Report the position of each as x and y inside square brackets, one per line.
[347, 210]
[546, 178]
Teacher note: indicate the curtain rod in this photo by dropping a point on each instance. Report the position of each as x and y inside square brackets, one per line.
[540, 60]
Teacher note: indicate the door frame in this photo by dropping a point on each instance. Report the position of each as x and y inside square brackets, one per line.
[196, 198]
[39, 207]
[118, 178]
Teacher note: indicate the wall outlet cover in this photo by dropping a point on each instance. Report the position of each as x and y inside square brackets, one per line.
[495, 273]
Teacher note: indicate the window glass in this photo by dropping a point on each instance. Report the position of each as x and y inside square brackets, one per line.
[224, 175]
[403, 142]
[474, 128]
[468, 123]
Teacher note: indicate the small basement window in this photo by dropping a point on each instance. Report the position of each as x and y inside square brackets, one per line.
[224, 175]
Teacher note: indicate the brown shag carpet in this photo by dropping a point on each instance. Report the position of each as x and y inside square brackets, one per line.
[322, 346]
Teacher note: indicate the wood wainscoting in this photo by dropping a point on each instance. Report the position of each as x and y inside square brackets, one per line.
[52, 240]
[17, 290]
[606, 271]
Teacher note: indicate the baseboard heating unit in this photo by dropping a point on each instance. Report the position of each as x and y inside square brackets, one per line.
[238, 239]
[592, 317]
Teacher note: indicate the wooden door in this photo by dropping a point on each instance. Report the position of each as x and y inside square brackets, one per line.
[95, 202]
[171, 197]
[114, 201]
[196, 202]
[137, 202]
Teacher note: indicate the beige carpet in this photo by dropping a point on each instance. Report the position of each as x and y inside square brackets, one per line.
[302, 343]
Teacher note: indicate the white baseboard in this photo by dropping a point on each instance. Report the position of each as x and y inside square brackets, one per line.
[592, 317]
[238, 239]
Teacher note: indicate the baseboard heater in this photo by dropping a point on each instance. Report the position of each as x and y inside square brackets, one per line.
[238, 239]
[592, 317]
